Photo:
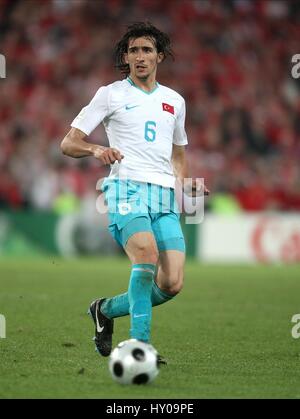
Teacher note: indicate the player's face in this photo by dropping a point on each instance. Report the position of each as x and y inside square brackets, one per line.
[142, 57]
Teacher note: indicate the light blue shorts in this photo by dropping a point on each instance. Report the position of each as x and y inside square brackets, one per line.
[136, 207]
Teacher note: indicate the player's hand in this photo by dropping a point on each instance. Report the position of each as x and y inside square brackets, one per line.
[108, 155]
[196, 190]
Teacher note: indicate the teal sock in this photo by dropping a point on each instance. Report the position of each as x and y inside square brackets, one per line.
[118, 306]
[139, 297]
[158, 296]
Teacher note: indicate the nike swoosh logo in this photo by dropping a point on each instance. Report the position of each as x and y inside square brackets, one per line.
[140, 315]
[127, 107]
[98, 327]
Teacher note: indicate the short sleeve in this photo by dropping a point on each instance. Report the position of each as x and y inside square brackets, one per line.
[93, 114]
[179, 136]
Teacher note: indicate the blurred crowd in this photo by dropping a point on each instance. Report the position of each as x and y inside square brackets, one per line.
[232, 65]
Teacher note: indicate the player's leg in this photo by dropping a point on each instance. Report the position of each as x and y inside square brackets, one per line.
[170, 273]
[169, 237]
[137, 239]
[122, 198]
[134, 233]
[171, 246]
[168, 282]
[143, 253]
[141, 250]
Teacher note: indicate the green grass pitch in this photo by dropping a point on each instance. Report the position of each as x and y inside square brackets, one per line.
[227, 335]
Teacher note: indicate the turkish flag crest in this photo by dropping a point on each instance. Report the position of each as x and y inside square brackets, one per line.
[168, 108]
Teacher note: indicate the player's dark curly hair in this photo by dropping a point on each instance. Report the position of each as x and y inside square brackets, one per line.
[137, 30]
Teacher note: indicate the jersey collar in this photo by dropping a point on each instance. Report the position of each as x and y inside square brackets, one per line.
[130, 81]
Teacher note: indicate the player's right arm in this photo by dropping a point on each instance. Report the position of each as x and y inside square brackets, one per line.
[75, 145]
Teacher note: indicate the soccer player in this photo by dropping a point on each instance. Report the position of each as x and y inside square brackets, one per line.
[144, 122]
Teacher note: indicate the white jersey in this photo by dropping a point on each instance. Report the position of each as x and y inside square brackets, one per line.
[142, 126]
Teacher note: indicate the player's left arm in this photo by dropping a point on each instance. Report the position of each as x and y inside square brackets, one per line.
[179, 159]
[179, 162]
[180, 167]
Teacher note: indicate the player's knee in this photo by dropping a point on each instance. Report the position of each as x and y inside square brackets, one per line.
[174, 284]
[146, 254]
[175, 288]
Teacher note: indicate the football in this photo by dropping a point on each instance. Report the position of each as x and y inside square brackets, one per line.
[134, 362]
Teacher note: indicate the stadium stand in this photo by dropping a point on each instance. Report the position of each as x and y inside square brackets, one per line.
[233, 66]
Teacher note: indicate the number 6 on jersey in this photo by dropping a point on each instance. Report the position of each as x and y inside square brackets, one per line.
[150, 133]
